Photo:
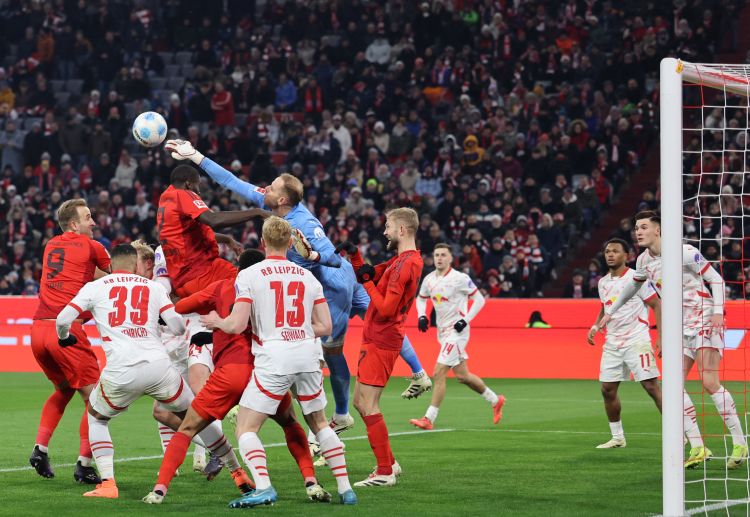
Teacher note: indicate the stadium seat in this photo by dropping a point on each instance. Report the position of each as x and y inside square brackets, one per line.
[158, 83]
[167, 57]
[74, 86]
[28, 122]
[171, 70]
[130, 110]
[57, 85]
[183, 58]
[61, 99]
[175, 83]
[187, 71]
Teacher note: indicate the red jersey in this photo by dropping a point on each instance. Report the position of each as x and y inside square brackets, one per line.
[70, 261]
[400, 276]
[189, 246]
[219, 296]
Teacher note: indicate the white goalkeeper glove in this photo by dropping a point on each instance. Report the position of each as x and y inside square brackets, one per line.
[183, 150]
[303, 246]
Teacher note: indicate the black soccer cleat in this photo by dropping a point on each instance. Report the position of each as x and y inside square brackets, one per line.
[213, 467]
[86, 475]
[40, 461]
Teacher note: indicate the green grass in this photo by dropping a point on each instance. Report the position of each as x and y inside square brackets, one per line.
[540, 460]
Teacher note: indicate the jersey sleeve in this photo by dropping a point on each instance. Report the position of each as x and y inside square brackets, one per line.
[228, 180]
[467, 286]
[161, 297]
[313, 231]
[397, 283]
[694, 260]
[600, 285]
[646, 292]
[85, 299]
[424, 290]
[191, 204]
[243, 287]
[160, 263]
[317, 291]
[100, 255]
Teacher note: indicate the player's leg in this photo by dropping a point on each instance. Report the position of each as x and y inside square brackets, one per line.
[613, 408]
[709, 360]
[420, 381]
[366, 401]
[104, 454]
[699, 453]
[654, 391]
[198, 372]
[439, 375]
[333, 353]
[166, 422]
[464, 376]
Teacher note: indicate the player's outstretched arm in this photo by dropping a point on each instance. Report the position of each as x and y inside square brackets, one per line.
[236, 247]
[655, 303]
[174, 321]
[321, 320]
[630, 289]
[64, 320]
[312, 244]
[201, 302]
[218, 220]
[477, 305]
[235, 323]
[387, 305]
[595, 327]
[716, 285]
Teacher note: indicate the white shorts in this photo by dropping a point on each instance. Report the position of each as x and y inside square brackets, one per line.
[266, 390]
[201, 355]
[618, 363]
[453, 346]
[158, 379]
[691, 344]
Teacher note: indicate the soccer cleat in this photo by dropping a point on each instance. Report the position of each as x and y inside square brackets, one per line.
[738, 457]
[320, 461]
[199, 462]
[348, 497]
[614, 443]
[40, 461]
[497, 409]
[422, 423]
[242, 481]
[698, 455]
[106, 489]
[213, 467]
[86, 475]
[318, 494]
[255, 498]
[376, 479]
[232, 417]
[339, 426]
[417, 386]
[396, 469]
[153, 498]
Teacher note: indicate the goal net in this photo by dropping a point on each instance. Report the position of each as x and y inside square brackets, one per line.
[705, 121]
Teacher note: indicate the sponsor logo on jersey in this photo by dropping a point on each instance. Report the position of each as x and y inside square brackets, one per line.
[439, 298]
[260, 190]
[698, 258]
[199, 203]
[319, 233]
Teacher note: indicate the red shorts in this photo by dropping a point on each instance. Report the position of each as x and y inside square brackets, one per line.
[75, 366]
[220, 270]
[222, 391]
[375, 365]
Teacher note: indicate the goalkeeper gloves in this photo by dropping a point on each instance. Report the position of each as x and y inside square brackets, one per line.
[460, 325]
[423, 324]
[68, 341]
[202, 338]
[303, 246]
[365, 274]
[183, 150]
[347, 247]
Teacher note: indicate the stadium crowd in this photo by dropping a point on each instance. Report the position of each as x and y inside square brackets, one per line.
[509, 126]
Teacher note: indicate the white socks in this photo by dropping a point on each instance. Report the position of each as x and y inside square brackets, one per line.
[254, 456]
[217, 443]
[101, 447]
[332, 449]
[337, 418]
[165, 434]
[690, 422]
[617, 431]
[725, 405]
[490, 396]
[432, 413]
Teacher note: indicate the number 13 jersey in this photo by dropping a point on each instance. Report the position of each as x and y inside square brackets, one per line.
[282, 295]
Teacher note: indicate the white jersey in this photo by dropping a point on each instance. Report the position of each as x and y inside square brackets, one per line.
[697, 301]
[126, 308]
[629, 325]
[283, 296]
[192, 320]
[449, 294]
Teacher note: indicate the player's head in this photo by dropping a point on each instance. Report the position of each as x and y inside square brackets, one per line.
[443, 256]
[186, 177]
[647, 228]
[277, 235]
[124, 258]
[286, 190]
[616, 253]
[145, 264]
[249, 257]
[400, 224]
[74, 216]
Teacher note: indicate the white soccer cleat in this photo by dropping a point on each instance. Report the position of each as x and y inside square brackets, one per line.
[320, 461]
[344, 424]
[396, 469]
[376, 479]
[418, 385]
[614, 443]
[153, 498]
[317, 493]
[199, 462]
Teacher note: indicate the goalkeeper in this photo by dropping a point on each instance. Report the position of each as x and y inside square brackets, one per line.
[314, 251]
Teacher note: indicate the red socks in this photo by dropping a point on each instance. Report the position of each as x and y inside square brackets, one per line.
[173, 458]
[377, 433]
[52, 412]
[83, 430]
[296, 441]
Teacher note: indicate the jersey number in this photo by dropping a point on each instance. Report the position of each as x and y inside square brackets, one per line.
[293, 318]
[645, 361]
[138, 302]
[55, 262]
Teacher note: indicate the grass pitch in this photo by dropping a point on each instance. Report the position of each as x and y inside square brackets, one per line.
[540, 460]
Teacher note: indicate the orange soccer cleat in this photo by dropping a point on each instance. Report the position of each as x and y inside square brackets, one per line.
[497, 409]
[422, 423]
[106, 489]
[243, 482]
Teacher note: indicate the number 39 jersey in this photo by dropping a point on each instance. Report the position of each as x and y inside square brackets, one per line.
[126, 308]
[282, 295]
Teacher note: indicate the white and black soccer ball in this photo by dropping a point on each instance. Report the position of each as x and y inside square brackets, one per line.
[149, 129]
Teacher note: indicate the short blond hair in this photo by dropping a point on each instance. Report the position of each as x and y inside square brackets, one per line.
[276, 232]
[406, 216]
[143, 249]
[68, 212]
[293, 188]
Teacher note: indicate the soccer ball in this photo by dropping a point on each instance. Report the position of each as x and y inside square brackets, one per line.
[149, 129]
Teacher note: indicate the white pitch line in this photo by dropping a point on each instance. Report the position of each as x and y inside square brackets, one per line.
[715, 506]
[281, 444]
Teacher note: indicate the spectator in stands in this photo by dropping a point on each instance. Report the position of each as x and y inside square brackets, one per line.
[577, 287]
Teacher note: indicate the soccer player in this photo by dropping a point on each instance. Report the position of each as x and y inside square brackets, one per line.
[126, 308]
[627, 348]
[225, 385]
[345, 298]
[703, 331]
[450, 292]
[392, 287]
[70, 260]
[287, 311]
